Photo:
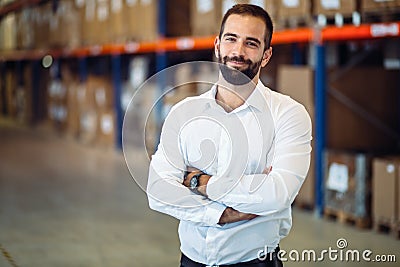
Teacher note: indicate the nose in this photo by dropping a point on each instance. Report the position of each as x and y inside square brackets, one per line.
[238, 49]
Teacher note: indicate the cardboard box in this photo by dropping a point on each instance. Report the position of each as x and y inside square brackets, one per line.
[68, 28]
[348, 183]
[332, 7]
[205, 17]
[96, 20]
[8, 32]
[379, 5]
[350, 115]
[72, 129]
[88, 125]
[148, 28]
[343, 111]
[117, 22]
[282, 55]
[99, 92]
[298, 83]
[178, 18]
[131, 14]
[41, 17]
[294, 8]
[385, 186]
[57, 107]
[106, 128]
[25, 31]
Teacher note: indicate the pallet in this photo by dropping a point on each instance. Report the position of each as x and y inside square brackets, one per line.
[387, 227]
[346, 218]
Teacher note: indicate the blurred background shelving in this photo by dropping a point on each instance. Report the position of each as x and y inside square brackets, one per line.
[75, 65]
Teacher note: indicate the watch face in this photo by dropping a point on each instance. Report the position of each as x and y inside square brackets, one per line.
[193, 182]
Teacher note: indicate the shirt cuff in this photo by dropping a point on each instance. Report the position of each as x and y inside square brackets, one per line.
[213, 213]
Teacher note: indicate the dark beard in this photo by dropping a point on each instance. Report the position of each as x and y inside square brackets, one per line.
[235, 76]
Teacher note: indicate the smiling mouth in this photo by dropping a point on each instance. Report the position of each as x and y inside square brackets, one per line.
[236, 63]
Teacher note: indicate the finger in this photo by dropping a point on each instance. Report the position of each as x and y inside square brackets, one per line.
[267, 170]
[192, 169]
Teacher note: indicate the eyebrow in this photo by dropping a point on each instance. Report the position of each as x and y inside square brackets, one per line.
[247, 38]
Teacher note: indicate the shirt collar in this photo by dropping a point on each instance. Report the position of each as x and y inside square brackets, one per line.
[257, 99]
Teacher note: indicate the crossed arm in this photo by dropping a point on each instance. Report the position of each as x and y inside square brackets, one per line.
[220, 201]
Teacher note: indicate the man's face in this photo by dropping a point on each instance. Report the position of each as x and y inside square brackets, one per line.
[241, 47]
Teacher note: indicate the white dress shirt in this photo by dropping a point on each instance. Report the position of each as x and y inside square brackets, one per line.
[235, 148]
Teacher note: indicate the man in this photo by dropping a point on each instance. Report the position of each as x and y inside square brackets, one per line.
[231, 161]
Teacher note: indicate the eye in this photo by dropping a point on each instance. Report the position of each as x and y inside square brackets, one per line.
[252, 44]
[230, 39]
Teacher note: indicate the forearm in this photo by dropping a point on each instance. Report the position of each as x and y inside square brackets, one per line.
[167, 195]
[201, 179]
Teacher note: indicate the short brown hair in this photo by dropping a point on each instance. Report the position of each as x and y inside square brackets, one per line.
[251, 10]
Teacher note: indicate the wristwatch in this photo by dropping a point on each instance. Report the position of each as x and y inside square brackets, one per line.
[194, 181]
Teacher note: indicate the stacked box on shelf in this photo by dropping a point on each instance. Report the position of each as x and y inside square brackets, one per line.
[18, 98]
[95, 22]
[293, 13]
[96, 111]
[131, 14]
[117, 22]
[141, 17]
[57, 104]
[298, 83]
[5, 2]
[8, 32]
[41, 25]
[206, 15]
[385, 192]
[178, 18]
[65, 25]
[330, 8]
[369, 125]
[148, 29]
[348, 187]
[374, 6]
[25, 31]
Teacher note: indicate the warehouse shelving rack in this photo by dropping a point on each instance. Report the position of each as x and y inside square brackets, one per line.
[317, 36]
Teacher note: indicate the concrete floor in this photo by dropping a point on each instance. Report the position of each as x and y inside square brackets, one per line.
[67, 204]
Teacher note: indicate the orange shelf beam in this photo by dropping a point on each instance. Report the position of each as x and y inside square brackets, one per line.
[301, 35]
[364, 31]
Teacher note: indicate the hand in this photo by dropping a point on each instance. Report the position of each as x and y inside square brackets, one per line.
[267, 170]
[231, 215]
[203, 180]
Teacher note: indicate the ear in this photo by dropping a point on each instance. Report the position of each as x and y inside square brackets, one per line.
[266, 57]
[216, 46]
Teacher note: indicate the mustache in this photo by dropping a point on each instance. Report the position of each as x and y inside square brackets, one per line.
[238, 59]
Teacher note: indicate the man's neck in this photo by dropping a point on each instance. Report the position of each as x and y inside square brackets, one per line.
[230, 97]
